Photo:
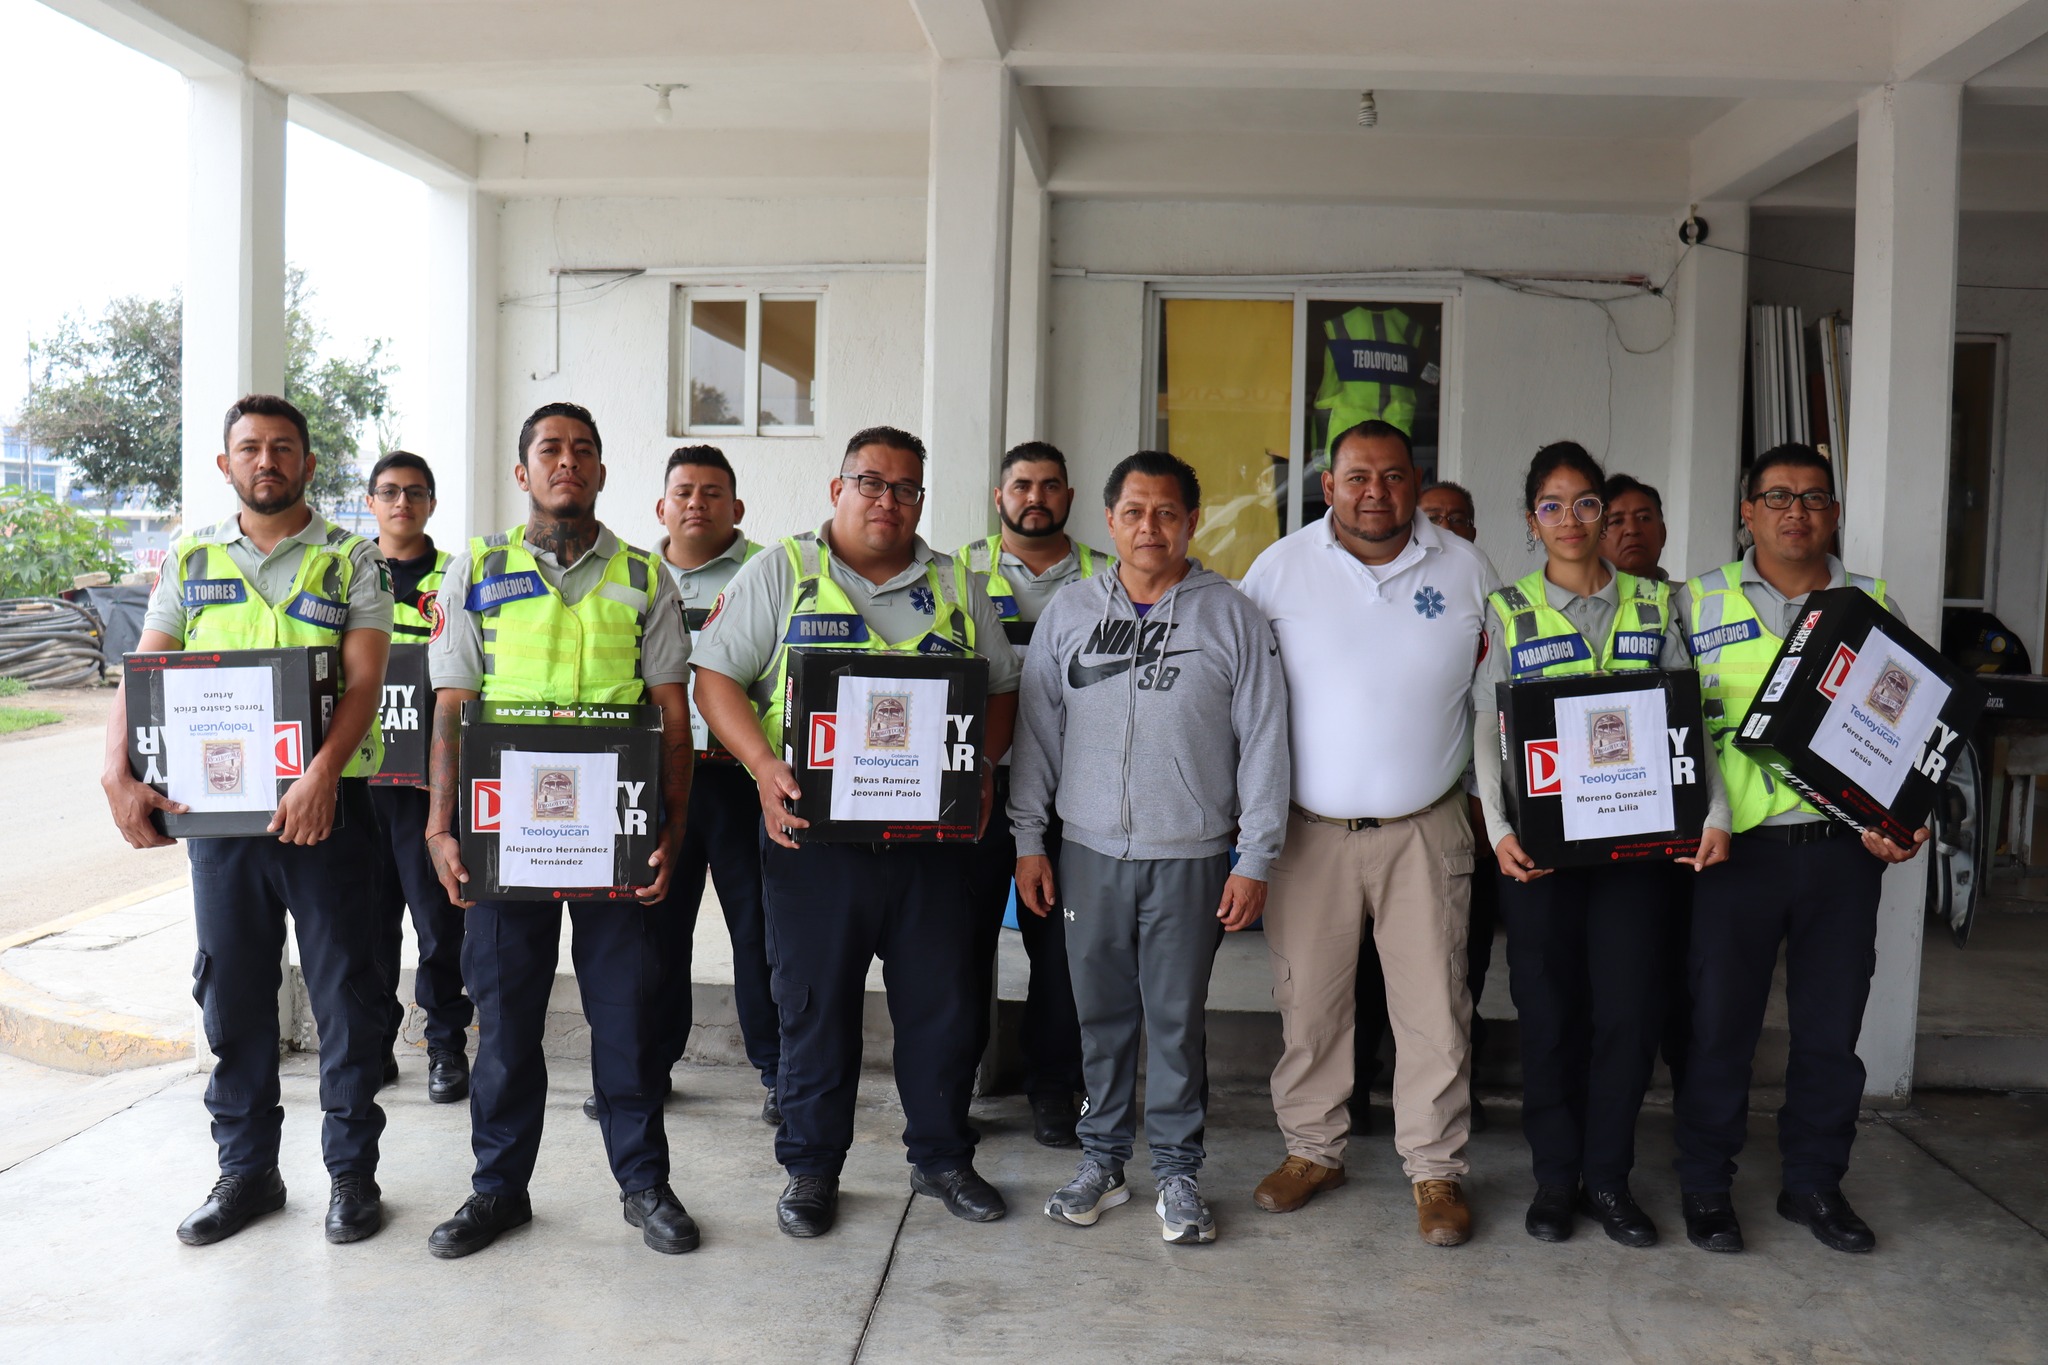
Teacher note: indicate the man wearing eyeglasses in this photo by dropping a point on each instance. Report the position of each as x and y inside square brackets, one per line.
[401, 495]
[1450, 506]
[1793, 878]
[864, 580]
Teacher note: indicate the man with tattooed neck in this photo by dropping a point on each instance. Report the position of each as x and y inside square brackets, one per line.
[572, 614]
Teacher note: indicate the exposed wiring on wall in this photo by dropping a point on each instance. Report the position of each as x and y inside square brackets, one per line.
[1838, 270]
[614, 277]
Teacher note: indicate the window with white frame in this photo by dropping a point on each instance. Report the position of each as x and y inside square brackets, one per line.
[747, 362]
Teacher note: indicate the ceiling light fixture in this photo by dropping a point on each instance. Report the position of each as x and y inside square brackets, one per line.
[662, 112]
[1368, 111]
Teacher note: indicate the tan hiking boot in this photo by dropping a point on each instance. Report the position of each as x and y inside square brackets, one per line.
[1441, 1213]
[1296, 1182]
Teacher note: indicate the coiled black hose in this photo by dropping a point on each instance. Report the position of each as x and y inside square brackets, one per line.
[48, 642]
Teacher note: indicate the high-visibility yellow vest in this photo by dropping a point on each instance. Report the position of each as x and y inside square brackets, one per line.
[1542, 642]
[1733, 650]
[412, 622]
[821, 616]
[538, 648]
[224, 611]
[1371, 369]
[984, 559]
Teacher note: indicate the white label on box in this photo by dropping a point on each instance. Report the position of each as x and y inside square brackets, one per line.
[1781, 680]
[1883, 710]
[1614, 765]
[220, 739]
[558, 818]
[891, 749]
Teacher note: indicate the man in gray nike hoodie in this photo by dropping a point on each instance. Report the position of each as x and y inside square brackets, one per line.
[1153, 722]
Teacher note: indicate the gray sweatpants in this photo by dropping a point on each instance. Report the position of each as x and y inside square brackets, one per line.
[1141, 940]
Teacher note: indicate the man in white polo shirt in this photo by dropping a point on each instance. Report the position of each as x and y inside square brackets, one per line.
[1380, 619]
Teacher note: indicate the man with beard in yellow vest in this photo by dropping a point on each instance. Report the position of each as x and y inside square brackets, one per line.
[1021, 567]
[559, 610]
[866, 581]
[278, 575]
[1793, 878]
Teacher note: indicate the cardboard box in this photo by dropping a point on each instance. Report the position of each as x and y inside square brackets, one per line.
[1604, 768]
[887, 747]
[1861, 716]
[559, 802]
[226, 731]
[408, 718]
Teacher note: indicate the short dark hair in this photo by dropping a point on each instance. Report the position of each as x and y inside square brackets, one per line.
[1160, 465]
[1368, 428]
[1618, 484]
[895, 438]
[1553, 457]
[707, 457]
[1031, 451]
[1457, 488]
[1791, 455]
[264, 405]
[573, 411]
[401, 459]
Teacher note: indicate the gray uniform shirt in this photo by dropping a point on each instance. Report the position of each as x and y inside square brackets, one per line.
[1778, 613]
[698, 589]
[272, 576]
[455, 657]
[1594, 618]
[744, 641]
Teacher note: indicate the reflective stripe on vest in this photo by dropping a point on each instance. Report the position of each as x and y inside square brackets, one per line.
[1543, 643]
[1733, 650]
[821, 615]
[537, 647]
[1372, 369]
[224, 611]
[984, 559]
[412, 622]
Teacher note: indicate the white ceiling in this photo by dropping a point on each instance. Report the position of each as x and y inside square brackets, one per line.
[1439, 112]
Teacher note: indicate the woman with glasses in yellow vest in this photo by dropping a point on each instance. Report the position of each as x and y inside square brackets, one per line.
[1585, 944]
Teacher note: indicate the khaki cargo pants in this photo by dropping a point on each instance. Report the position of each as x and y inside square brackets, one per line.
[1409, 884]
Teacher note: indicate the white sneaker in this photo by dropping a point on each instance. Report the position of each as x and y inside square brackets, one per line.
[1183, 1218]
[1092, 1192]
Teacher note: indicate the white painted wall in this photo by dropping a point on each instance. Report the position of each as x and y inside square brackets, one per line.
[615, 342]
[1533, 370]
[1993, 248]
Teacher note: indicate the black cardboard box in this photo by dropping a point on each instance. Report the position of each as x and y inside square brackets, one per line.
[408, 718]
[197, 720]
[1861, 716]
[905, 764]
[1579, 756]
[529, 775]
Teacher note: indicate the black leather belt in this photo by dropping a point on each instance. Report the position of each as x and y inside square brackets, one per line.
[1804, 832]
[1361, 822]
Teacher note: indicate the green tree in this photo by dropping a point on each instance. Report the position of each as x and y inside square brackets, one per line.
[107, 397]
[45, 544]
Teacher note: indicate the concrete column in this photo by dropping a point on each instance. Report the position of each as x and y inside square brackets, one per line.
[1900, 377]
[1709, 358]
[966, 293]
[1030, 289]
[234, 276]
[459, 430]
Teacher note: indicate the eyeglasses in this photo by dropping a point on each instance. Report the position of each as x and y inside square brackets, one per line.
[1813, 499]
[419, 495]
[1551, 512]
[871, 486]
[1456, 521]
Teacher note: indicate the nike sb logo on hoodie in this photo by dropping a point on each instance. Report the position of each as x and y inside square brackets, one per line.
[1118, 638]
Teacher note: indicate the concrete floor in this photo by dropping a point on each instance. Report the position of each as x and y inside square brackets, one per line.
[92, 1270]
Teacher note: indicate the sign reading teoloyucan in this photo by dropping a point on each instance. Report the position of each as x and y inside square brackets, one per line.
[559, 802]
[1604, 767]
[887, 747]
[224, 732]
[1860, 716]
